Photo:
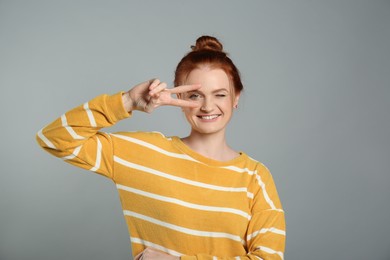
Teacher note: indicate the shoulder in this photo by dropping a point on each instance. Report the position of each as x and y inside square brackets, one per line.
[255, 165]
[260, 172]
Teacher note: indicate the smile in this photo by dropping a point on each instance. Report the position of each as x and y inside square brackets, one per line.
[208, 117]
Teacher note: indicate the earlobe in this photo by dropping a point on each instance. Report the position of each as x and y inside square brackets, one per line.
[236, 98]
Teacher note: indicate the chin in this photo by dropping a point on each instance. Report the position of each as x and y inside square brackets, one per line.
[207, 131]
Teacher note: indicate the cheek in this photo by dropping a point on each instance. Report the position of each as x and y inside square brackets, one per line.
[226, 105]
[188, 112]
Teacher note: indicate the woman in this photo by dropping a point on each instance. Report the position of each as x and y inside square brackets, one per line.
[189, 198]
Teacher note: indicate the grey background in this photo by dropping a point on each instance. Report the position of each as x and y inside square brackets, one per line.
[315, 111]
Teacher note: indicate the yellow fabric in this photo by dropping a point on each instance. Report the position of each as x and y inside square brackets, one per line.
[173, 198]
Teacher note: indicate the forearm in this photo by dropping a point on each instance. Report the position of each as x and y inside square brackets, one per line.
[77, 125]
[75, 136]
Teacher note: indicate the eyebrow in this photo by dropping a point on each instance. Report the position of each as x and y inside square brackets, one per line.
[214, 91]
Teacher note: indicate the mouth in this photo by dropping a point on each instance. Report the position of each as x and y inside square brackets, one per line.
[209, 117]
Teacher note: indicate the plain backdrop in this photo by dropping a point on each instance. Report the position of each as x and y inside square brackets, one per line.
[316, 111]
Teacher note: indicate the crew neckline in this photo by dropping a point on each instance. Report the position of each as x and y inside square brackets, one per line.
[206, 160]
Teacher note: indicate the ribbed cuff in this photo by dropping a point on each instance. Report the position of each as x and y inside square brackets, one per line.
[116, 109]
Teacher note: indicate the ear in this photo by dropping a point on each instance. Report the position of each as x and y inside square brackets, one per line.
[236, 99]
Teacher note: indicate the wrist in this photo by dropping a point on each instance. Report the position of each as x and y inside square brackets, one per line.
[127, 101]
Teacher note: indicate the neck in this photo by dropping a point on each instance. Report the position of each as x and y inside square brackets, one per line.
[213, 146]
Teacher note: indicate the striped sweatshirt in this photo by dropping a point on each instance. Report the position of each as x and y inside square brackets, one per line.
[173, 199]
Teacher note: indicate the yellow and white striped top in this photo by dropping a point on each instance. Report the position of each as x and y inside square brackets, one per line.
[173, 199]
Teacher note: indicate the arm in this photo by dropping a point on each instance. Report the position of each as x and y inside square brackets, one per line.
[266, 233]
[76, 138]
[265, 238]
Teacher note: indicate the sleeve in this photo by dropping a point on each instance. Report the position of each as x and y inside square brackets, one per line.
[75, 136]
[266, 233]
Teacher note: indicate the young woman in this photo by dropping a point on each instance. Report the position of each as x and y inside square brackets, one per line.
[189, 198]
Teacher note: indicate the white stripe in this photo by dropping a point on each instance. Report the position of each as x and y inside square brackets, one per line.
[265, 194]
[155, 148]
[157, 132]
[250, 195]
[175, 155]
[237, 258]
[178, 179]
[270, 251]
[70, 129]
[184, 203]
[240, 170]
[262, 185]
[136, 240]
[265, 230]
[215, 258]
[74, 154]
[90, 115]
[279, 210]
[178, 155]
[183, 229]
[45, 140]
[98, 156]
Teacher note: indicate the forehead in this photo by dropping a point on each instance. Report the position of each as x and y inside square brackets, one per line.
[209, 79]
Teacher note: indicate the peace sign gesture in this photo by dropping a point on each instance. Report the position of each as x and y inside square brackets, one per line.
[153, 93]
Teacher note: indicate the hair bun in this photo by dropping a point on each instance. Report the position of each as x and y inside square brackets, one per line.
[207, 43]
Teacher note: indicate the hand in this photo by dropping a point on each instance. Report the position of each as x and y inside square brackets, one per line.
[153, 254]
[151, 94]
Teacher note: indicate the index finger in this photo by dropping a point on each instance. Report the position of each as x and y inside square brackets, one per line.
[184, 103]
[184, 88]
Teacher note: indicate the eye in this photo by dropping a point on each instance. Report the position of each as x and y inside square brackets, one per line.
[194, 96]
[221, 95]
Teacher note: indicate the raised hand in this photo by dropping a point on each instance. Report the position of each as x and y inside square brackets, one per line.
[151, 94]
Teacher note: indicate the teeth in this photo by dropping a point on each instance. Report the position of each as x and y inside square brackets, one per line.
[209, 117]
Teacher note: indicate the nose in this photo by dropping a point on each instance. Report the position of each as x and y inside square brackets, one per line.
[206, 106]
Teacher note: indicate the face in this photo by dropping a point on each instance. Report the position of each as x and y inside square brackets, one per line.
[216, 101]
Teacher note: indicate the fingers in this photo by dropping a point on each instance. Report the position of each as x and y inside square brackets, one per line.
[157, 88]
[184, 103]
[184, 88]
[154, 254]
[153, 83]
[139, 256]
[154, 93]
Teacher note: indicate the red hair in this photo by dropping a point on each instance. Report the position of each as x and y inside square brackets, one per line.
[208, 51]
